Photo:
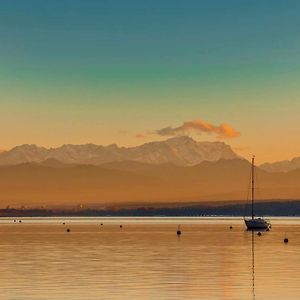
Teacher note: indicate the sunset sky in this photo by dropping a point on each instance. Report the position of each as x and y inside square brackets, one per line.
[120, 72]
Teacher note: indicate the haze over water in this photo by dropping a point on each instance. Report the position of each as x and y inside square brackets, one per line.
[146, 260]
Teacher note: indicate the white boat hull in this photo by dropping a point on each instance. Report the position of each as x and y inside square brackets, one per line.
[258, 223]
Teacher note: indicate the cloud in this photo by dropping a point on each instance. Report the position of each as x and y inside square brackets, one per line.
[222, 131]
[141, 135]
[145, 134]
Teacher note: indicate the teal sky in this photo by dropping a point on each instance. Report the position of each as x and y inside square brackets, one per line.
[103, 71]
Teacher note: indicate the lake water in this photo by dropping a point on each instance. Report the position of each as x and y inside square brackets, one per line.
[146, 260]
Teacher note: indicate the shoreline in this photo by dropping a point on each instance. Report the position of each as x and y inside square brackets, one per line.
[287, 208]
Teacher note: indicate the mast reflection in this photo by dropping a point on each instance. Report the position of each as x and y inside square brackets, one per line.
[253, 265]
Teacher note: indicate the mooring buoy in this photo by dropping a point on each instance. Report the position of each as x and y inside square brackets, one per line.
[178, 230]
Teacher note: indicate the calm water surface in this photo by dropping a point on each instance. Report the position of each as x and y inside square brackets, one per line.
[146, 260]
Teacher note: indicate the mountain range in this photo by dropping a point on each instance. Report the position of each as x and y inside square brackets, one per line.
[123, 183]
[181, 151]
[178, 170]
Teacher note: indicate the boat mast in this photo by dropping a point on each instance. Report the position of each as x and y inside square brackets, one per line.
[252, 188]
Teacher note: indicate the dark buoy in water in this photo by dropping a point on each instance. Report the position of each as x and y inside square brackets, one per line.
[68, 230]
[101, 224]
[121, 226]
[268, 229]
[286, 240]
[15, 221]
[178, 231]
[259, 234]
[20, 221]
[64, 223]
[230, 227]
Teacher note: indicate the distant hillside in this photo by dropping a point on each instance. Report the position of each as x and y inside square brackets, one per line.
[52, 183]
[182, 151]
[282, 166]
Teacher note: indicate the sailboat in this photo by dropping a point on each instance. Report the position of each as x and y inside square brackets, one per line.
[254, 222]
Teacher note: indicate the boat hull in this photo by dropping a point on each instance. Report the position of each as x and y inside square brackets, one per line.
[258, 223]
